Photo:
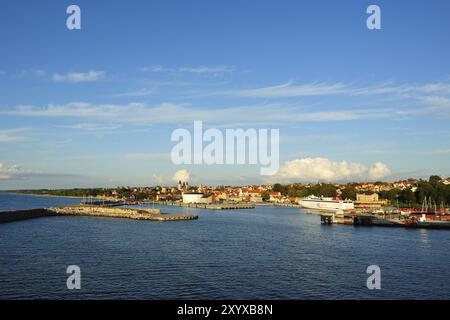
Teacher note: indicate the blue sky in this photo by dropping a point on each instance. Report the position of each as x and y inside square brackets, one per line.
[96, 106]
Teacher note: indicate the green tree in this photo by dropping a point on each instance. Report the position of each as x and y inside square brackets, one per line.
[434, 180]
[407, 196]
[349, 193]
[279, 188]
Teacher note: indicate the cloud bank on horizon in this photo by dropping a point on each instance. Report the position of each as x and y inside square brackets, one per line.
[326, 170]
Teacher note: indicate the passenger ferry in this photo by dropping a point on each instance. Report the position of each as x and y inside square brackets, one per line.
[326, 203]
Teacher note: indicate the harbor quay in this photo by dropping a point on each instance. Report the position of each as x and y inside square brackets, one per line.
[95, 211]
[377, 220]
[221, 206]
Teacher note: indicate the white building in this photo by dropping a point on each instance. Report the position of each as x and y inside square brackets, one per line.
[196, 197]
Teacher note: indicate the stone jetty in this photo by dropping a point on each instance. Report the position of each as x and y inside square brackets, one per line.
[94, 211]
[9, 216]
[119, 212]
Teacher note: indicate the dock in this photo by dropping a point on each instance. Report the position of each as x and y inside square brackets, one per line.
[378, 221]
[372, 220]
[220, 206]
[290, 205]
[334, 218]
[230, 206]
[95, 211]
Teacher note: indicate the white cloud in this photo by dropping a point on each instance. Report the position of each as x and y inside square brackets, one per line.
[379, 171]
[137, 93]
[215, 70]
[13, 135]
[202, 70]
[323, 169]
[442, 88]
[76, 77]
[75, 109]
[157, 68]
[15, 172]
[91, 127]
[173, 113]
[181, 175]
[409, 90]
[257, 113]
[435, 106]
[435, 101]
[8, 172]
[290, 90]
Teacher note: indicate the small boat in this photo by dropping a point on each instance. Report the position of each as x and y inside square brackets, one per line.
[413, 222]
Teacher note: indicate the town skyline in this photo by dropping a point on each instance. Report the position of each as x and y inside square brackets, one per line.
[434, 192]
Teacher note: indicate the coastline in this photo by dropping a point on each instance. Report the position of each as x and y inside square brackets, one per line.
[155, 202]
[44, 195]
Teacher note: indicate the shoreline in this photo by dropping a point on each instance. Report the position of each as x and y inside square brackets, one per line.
[44, 195]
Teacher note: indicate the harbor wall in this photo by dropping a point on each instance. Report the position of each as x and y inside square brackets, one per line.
[17, 215]
[225, 206]
[117, 212]
[94, 211]
[99, 211]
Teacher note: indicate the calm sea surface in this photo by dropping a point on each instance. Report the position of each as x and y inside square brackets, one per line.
[264, 253]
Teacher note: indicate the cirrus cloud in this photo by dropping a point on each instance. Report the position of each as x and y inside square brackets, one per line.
[169, 113]
[13, 135]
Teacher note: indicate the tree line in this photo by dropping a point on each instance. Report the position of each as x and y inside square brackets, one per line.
[432, 189]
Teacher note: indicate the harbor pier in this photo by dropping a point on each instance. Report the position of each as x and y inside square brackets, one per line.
[219, 206]
[373, 220]
[95, 211]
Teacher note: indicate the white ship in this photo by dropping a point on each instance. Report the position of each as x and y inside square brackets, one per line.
[327, 204]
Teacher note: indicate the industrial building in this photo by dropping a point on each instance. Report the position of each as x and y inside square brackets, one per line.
[197, 197]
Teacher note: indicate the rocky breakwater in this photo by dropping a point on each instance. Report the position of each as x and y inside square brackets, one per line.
[116, 212]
